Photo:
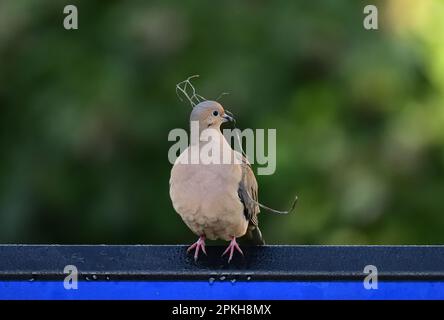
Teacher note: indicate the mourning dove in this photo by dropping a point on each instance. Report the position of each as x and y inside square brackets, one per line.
[215, 200]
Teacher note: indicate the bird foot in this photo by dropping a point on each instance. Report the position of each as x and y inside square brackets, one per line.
[199, 244]
[233, 245]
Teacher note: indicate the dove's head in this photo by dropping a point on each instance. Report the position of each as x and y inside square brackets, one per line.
[209, 114]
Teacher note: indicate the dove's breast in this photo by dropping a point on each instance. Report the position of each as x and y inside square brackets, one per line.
[206, 198]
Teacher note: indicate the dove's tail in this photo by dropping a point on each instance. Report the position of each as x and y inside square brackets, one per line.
[254, 236]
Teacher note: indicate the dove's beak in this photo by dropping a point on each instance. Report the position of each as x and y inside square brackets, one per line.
[228, 118]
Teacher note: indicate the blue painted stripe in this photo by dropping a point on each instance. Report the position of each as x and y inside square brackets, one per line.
[192, 290]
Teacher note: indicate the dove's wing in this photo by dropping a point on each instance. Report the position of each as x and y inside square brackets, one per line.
[248, 194]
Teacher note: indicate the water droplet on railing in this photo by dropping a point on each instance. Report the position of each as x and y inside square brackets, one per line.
[248, 278]
[94, 277]
[211, 281]
[233, 281]
[222, 278]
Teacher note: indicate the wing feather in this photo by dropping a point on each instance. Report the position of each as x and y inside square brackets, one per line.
[248, 194]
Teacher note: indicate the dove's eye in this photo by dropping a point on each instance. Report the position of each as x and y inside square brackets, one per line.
[215, 113]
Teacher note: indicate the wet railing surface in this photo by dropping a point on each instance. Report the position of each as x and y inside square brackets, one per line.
[167, 271]
[267, 262]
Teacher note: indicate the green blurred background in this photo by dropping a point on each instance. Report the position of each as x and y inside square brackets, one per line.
[85, 115]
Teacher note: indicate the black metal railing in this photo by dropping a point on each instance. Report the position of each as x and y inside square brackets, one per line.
[261, 263]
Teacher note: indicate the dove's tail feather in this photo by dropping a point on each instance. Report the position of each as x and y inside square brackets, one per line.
[254, 236]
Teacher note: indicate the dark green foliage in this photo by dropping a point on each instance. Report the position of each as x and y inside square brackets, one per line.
[85, 115]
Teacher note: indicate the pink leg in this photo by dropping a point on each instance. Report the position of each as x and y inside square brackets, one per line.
[199, 244]
[233, 245]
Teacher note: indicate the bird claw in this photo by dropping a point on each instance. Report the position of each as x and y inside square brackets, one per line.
[198, 245]
[233, 245]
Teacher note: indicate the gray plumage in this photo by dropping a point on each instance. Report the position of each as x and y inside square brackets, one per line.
[216, 201]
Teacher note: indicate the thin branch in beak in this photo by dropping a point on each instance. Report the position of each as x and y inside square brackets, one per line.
[193, 97]
[228, 118]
